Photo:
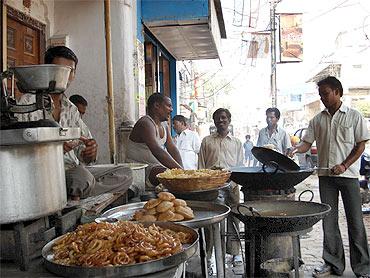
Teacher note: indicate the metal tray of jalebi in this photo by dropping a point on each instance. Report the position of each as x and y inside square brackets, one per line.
[137, 270]
[205, 213]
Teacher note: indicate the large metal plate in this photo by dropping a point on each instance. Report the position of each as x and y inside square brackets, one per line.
[205, 213]
[280, 216]
[271, 157]
[125, 270]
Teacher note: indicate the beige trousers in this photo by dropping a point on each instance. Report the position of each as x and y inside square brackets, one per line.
[84, 183]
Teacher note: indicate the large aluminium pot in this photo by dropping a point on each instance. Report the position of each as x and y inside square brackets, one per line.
[32, 182]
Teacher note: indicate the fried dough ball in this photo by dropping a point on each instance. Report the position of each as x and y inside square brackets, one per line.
[164, 206]
[148, 218]
[185, 211]
[179, 202]
[151, 211]
[166, 216]
[166, 196]
[177, 217]
[152, 203]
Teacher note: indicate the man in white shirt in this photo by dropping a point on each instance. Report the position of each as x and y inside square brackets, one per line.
[187, 142]
[340, 133]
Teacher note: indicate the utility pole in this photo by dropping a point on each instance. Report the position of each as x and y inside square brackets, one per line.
[273, 4]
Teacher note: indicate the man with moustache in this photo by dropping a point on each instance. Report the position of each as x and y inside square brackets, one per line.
[340, 133]
[150, 141]
[222, 150]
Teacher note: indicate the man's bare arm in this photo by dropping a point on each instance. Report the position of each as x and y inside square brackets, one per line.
[145, 132]
[172, 149]
[300, 148]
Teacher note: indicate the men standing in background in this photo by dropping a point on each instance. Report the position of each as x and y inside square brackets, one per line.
[222, 150]
[187, 142]
[273, 134]
[80, 102]
[248, 145]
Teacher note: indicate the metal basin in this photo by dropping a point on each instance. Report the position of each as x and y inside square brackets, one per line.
[280, 216]
[258, 178]
[42, 77]
[138, 269]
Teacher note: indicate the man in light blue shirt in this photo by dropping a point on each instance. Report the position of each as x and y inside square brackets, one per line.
[274, 134]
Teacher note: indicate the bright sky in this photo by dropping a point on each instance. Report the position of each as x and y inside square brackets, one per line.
[333, 31]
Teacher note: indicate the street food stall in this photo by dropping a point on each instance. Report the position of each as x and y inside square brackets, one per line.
[267, 220]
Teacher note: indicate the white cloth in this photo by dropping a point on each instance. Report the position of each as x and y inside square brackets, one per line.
[188, 144]
[279, 138]
[69, 117]
[335, 138]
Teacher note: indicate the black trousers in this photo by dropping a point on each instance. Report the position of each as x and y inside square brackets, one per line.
[333, 253]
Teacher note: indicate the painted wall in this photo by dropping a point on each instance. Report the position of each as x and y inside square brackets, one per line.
[83, 22]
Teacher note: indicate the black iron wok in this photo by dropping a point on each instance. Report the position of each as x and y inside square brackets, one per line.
[280, 216]
[260, 178]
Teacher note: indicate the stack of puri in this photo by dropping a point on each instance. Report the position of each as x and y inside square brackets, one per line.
[165, 208]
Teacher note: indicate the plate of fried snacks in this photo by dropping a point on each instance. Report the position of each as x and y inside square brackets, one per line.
[165, 208]
[179, 180]
[120, 249]
[194, 214]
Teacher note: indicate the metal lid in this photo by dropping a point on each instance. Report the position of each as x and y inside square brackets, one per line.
[37, 135]
[275, 159]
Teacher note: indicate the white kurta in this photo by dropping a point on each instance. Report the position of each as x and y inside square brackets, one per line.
[188, 144]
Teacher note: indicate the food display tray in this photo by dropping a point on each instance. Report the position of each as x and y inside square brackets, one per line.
[138, 269]
[205, 213]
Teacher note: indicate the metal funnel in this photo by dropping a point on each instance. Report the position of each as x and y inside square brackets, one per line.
[46, 78]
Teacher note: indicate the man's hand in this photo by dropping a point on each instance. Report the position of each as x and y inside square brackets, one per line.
[70, 145]
[291, 151]
[338, 169]
[89, 153]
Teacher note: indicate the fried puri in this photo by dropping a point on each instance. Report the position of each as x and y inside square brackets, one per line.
[166, 216]
[164, 206]
[179, 202]
[185, 211]
[152, 203]
[166, 196]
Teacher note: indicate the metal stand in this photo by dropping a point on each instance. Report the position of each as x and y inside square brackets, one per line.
[29, 238]
[256, 251]
[203, 253]
[220, 248]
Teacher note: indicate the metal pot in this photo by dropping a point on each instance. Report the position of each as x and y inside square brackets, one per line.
[32, 181]
[280, 216]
